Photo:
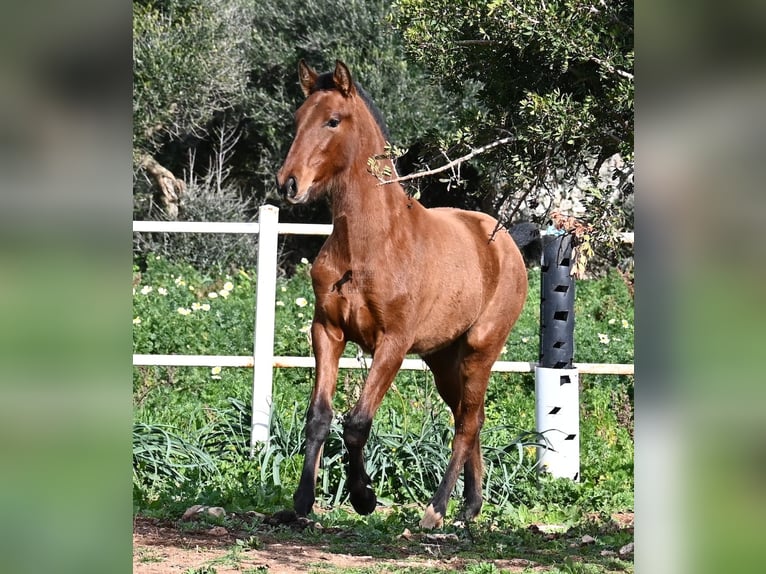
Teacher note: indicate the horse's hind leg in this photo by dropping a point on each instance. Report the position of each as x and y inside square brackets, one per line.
[473, 475]
[461, 377]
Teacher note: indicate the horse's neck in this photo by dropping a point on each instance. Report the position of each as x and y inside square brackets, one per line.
[367, 216]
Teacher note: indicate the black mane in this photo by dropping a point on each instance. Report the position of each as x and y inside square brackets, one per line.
[325, 82]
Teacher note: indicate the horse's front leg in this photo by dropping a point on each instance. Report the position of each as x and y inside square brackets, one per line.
[328, 343]
[356, 427]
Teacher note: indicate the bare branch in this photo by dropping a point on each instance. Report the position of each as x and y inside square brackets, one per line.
[453, 163]
[610, 68]
[477, 43]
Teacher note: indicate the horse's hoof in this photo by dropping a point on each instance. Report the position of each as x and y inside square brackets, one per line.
[431, 519]
[469, 513]
[302, 504]
[282, 517]
[364, 501]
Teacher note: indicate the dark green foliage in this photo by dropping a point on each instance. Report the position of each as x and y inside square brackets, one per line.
[199, 66]
[551, 72]
[189, 62]
[557, 76]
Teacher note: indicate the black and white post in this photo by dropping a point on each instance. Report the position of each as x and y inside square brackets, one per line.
[557, 405]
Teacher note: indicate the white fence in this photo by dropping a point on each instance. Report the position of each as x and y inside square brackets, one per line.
[263, 361]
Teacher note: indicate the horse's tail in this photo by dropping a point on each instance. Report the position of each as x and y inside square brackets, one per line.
[527, 238]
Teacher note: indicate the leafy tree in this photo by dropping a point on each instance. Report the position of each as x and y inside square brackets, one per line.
[189, 66]
[198, 65]
[229, 67]
[321, 31]
[189, 62]
[554, 77]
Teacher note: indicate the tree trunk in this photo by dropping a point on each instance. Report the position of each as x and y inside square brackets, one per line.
[167, 188]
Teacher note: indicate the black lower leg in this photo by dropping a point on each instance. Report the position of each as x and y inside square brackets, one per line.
[355, 435]
[473, 472]
[471, 492]
[318, 423]
[446, 486]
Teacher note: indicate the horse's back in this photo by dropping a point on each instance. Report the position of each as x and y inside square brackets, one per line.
[480, 233]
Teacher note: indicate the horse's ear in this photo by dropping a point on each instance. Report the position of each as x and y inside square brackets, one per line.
[342, 79]
[307, 77]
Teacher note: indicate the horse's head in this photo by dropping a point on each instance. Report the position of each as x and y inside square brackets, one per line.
[333, 128]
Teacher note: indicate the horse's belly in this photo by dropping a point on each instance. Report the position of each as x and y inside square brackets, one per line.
[447, 319]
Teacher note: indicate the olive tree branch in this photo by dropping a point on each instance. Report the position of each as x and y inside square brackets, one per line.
[453, 163]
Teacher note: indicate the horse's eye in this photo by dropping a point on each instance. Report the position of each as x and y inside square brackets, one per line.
[333, 122]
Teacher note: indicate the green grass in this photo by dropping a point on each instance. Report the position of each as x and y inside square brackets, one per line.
[192, 424]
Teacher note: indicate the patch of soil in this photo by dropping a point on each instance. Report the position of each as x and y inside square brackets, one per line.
[165, 547]
[160, 547]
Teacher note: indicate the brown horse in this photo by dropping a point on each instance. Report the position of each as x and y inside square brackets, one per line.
[395, 278]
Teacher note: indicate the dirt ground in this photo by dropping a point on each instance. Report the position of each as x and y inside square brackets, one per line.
[162, 547]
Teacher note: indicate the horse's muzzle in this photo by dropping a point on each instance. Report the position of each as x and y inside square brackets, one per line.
[289, 189]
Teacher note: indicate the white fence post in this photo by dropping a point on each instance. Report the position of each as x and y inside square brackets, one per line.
[263, 343]
[557, 419]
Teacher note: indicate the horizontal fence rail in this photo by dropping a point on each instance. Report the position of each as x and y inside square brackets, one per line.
[254, 227]
[229, 227]
[246, 361]
[262, 361]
